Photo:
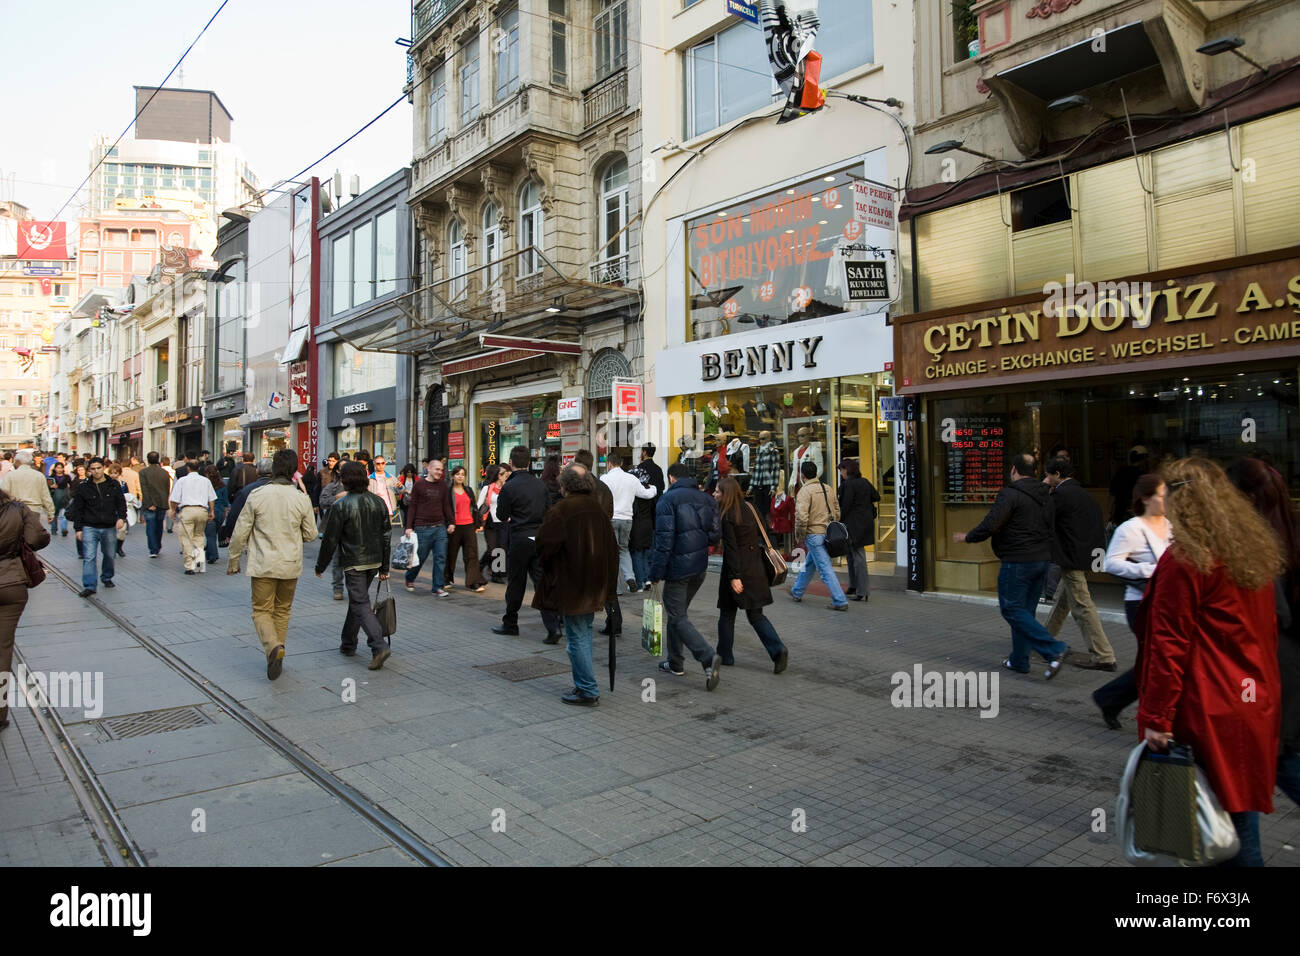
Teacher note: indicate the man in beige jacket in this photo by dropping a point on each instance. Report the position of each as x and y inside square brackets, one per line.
[25, 483]
[815, 508]
[275, 523]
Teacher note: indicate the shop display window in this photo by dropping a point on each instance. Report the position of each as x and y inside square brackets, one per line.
[379, 439]
[823, 421]
[531, 422]
[1112, 433]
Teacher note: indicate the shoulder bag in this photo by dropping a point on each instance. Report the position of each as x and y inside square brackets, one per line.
[385, 610]
[837, 532]
[772, 560]
[32, 567]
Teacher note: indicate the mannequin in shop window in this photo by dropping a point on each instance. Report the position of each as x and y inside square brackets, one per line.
[806, 450]
[765, 478]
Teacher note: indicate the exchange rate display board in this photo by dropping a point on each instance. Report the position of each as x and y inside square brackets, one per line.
[976, 467]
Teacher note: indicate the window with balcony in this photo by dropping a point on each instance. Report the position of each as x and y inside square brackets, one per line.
[456, 261]
[611, 265]
[437, 103]
[530, 228]
[965, 30]
[469, 80]
[492, 243]
[506, 46]
[611, 37]
[341, 286]
[559, 43]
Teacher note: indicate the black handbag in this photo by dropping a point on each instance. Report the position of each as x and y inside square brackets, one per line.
[386, 610]
[837, 541]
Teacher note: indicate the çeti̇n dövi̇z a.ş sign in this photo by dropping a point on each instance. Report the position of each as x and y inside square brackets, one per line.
[1079, 329]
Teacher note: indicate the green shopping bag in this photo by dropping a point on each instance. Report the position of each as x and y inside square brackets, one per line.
[652, 622]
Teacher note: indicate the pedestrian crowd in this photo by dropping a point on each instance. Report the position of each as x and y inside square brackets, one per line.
[1209, 558]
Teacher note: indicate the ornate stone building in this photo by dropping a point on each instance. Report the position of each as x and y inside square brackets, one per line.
[525, 188]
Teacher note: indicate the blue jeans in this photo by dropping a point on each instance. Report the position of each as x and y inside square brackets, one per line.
[153, 529]
[641, 567]
[577, 631]
[1251, 853]
[817, 555]
[430, 537]
[97, 539]
[210, 553]
[1019, 585]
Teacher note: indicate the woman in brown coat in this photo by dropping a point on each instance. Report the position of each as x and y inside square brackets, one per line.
[17, 523]
[743, 583]
[578, 556]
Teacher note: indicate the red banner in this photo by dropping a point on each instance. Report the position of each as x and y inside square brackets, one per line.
[42, 240]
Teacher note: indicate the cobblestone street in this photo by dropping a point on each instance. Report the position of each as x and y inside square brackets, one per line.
[448, 747]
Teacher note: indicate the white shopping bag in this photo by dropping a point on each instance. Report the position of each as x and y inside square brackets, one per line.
[199, 561]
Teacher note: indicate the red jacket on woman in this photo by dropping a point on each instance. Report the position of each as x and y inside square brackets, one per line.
[1207, 673]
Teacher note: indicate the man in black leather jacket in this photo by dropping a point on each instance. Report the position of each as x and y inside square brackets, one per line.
[358, 526]
[1020, 524]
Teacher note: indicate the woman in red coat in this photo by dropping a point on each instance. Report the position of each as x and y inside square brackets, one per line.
[1208, 673]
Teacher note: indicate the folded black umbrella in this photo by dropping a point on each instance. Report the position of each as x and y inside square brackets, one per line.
[611, 658]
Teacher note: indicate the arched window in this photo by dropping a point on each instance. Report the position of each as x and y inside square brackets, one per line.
[456, 262]
[492, 244]
[611, 265]
[530, 227]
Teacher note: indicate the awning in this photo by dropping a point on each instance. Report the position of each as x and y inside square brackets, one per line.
[482, 301]
[293, 350]
[127, 436]
[1079, 66]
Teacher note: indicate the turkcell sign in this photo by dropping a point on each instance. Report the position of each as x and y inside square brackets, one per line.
[746, 11]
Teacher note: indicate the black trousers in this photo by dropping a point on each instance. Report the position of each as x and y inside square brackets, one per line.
[361, 615]
[762, 503]
[521, 564]
[1123, 690]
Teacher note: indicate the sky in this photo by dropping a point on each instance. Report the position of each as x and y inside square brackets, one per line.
[298, 76]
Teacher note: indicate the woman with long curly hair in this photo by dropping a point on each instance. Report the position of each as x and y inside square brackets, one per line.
[1207, 668]
[1268, 492]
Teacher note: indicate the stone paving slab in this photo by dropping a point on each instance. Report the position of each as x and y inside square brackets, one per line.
[688, 777]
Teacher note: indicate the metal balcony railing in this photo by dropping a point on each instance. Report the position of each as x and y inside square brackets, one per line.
[611, 271]
[605, 98]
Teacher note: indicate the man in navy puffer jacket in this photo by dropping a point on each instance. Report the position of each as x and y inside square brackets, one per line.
[686, 523]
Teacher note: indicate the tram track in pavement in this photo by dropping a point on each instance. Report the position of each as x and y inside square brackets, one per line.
[109, 828]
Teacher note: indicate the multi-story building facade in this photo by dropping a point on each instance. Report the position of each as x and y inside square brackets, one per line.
[35, 296]
[225, 355]
[525, 186]
[753, 334]
[367, 398]
[131, 240]
[1101, 251]
[182, 150]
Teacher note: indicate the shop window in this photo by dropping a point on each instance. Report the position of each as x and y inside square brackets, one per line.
[773, 260]
[530, 228]
[356, 371]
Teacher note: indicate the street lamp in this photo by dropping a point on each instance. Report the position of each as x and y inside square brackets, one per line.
[949, 145]
[1228, 44]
